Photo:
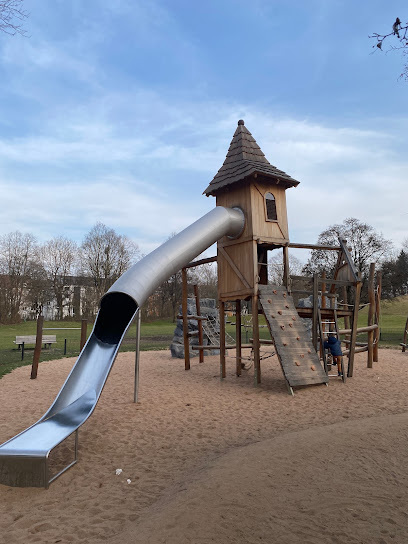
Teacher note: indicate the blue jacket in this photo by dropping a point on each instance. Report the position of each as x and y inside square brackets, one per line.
[333, 345]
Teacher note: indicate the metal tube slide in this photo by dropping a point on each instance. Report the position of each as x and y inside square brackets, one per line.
[145, 276]
[24, 458]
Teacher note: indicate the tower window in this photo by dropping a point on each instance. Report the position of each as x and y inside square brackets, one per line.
[270, 207]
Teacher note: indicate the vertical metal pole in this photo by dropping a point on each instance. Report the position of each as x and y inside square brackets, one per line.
[137, 354]
[22, 351]
[65, 346]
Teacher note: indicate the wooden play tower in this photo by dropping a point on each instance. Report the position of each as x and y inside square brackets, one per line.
[248, 181]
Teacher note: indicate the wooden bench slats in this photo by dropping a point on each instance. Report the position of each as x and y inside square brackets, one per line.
[31, 339]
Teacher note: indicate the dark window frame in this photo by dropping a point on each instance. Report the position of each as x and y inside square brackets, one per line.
[270, 210]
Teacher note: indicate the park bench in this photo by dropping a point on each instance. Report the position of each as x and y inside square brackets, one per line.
[47, 340]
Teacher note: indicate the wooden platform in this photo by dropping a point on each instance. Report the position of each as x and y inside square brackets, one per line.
[297, 356]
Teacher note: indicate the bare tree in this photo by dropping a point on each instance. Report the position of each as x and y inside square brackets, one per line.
[366, 246]
[397, 40]
[12, 15]
[18, 255]
[58, 257]
[275, 268]
[105, 255]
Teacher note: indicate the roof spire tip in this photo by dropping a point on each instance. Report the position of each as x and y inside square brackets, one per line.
[241, 122]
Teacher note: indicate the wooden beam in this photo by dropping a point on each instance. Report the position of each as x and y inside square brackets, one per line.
[286, 271]
[217, 346]
[234, 267]
[404, 340]
[84, 328]
[315, 310]
[377, 315]
[314, 246]
[371, 312]
[223, 372]
[360, 329]
[201, 261]
[185, 320]
[238, 335]
[37, 349]
[353, 331]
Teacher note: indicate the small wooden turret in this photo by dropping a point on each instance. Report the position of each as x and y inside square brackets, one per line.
[247, 180]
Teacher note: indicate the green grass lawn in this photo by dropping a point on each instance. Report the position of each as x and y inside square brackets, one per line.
[154, 336]
[158, 335]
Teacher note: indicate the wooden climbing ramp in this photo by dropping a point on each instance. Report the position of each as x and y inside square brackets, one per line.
[297, 356]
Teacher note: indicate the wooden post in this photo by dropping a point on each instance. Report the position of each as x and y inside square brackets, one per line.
[37, 349]
[377, 316]
[185, 320]
[315, 309]
[404, 338]
[84, 326]
[255, 336]
[286, 270]
[200, 324]
[371, 312]
[345, 299]
[353, 336]
[223, 372]
[238, 336]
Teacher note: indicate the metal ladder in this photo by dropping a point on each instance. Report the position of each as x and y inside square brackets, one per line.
[333, 328]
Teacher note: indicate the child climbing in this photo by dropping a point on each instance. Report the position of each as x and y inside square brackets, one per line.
[334, 345]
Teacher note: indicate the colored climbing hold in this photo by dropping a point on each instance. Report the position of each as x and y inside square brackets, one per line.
[290, 324]
[280, 312]
[284, 295]
[297, 363]
[269, 301]
[285, 343]
[287, 306]
[282, 327]
[294, 318]
[275, 292]
[297, 337]
[302, 355]
[313, 367]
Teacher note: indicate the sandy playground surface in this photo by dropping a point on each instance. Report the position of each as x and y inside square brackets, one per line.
[213, 462]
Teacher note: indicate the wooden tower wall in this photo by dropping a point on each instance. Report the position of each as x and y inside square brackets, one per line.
[238, 270]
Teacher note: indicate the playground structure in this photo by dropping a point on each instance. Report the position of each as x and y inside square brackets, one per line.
[248, 181]
[249, 220]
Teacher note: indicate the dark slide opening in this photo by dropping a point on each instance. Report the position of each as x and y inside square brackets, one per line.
[117, 309]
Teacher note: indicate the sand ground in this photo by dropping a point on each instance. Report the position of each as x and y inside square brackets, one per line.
[219, 462]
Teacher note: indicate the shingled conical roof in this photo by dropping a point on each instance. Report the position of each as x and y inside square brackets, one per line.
[243, 159]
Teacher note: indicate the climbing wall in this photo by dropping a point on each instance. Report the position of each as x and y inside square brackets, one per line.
[299, 360]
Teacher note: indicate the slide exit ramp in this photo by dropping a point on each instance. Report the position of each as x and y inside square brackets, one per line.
[24, 459]
[298, 359]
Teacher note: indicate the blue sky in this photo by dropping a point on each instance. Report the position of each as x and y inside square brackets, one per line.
[122, 111]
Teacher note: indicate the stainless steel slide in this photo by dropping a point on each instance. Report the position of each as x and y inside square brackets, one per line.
[24, 459]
